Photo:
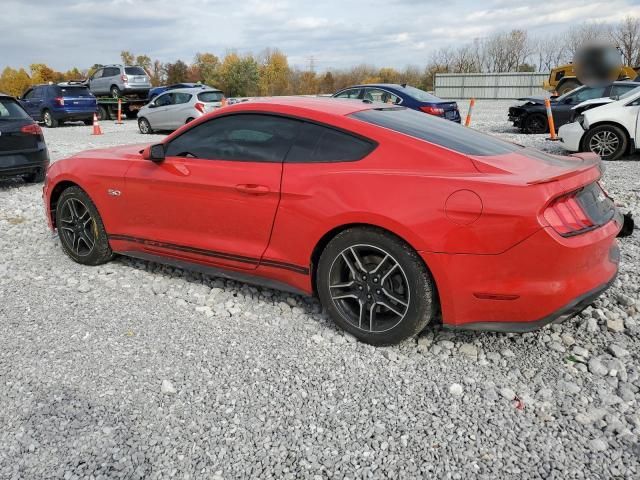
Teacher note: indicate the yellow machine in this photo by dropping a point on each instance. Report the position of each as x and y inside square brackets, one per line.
[563, 79]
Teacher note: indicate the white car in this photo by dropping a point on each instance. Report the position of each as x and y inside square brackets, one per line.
[173, 108]
[610, 130]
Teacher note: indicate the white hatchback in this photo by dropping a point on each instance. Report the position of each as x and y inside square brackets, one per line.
[609, 130]
[172, 109]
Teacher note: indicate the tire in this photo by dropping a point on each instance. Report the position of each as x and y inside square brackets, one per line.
[115, 91]
[103, 113]
[88, 121]
[144, 126]
[48, 119]
[568, 86]
[608, 141]
[189, 120]
[82, 234]
[349, 276]
[536, 123]
[37, 177]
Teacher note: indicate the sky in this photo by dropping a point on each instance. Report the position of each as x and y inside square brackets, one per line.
[335, 33]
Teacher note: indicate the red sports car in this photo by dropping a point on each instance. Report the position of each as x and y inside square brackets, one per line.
[391, 217]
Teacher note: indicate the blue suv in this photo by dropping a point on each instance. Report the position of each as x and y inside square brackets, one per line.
[57, 103]
[405, 95]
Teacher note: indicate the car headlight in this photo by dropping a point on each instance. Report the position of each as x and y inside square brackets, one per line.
[582, 120]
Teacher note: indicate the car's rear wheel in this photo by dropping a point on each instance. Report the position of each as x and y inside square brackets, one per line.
[48, 119]
[103, 113]
[536, 123]
[115, 91]
[88, 121]
[80, 228]
[608, 141]
[375, 286]
[144, 126]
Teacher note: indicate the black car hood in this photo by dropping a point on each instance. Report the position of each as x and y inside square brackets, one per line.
[536, 100]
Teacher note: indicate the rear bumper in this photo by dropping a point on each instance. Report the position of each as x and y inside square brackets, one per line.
[23, 163]
[542, 279]
[72, 115]
[570, 136]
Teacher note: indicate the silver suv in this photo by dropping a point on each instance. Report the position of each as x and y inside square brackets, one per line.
[119, 80]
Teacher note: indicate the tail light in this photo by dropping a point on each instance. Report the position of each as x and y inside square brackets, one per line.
[59, 101]
[32, 129]
[566, 216]
[433, 110]
[199, 106]
[124, 78]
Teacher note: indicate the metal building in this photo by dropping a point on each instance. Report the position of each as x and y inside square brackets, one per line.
[489, 85]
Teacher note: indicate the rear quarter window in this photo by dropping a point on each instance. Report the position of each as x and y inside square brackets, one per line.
[317, 143]
[437, 131]
[11, 110]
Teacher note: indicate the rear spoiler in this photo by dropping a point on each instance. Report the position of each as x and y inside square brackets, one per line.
[588, 161]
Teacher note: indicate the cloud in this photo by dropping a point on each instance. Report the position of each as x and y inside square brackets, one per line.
[68, 33]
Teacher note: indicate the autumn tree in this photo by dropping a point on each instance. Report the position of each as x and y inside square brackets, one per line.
[274, 73]
[627, 37]
[239, 75]
[327, 83]
[208, 66]
[127, 57]
[41, 73]
[177, 72]
[157, 73]
[144, 61]
[14, 82]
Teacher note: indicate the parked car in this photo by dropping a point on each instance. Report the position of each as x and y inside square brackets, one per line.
[610, 130]
[119, 80]
[390, 216]
[58, 103]
[404, 95]
[531, 116]
[172, 109]
[23, 151]
[155, 91]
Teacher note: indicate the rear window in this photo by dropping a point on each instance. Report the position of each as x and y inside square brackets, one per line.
[72, 91]
[316, 143]
[438, 131]
[419, 95]
[210, 96]
[134, 71]
[11, 110]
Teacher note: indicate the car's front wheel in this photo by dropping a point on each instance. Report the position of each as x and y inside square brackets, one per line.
[80, 228]
[144, 126]
[536, 123]
[375, 286]
[608, 141]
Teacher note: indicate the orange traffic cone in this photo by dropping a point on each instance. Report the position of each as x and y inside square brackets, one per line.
[96, 126]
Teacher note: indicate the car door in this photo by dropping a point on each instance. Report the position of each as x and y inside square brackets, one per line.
[94, 81]
[36, 103]
[26, 102]
[157, 111]
[214, 197]
[176, 113]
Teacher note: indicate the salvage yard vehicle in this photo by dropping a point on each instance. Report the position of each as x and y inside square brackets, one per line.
[609, 131]
[23, 151]
[563, 79]
[531, 116]
[120, 80]
[404, 95]
[54, 104]
[393, 218]
[172, 109]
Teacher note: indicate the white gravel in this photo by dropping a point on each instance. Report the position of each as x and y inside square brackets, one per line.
[135, 370]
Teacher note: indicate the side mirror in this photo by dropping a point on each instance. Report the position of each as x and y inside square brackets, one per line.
[152, 105]
[155, 153]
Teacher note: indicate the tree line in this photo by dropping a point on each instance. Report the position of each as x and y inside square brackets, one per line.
[269, 73]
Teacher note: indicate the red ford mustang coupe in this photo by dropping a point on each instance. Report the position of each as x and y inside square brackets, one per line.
[391, 217]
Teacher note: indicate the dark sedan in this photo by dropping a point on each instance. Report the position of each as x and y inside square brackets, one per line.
[23, 151]
[531, 116]
[405, 95]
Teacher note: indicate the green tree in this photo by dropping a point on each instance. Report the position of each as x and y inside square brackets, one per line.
[208, 66]
[239, 75]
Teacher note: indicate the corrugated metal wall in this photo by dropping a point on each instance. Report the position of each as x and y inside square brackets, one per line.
[489, 85]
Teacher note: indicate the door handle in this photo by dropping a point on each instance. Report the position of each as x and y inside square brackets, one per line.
[252, 189]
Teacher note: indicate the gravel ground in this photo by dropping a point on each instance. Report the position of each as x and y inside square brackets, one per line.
[135, 370]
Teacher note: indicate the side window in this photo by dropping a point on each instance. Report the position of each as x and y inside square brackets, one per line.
[617, 90]
[179, 98]
[36, 94]
[588, 94]
[28, 95]
[164, 100]
[243, 137]
[110, 72]
[316, 143]
[379, 95]
[351, 93]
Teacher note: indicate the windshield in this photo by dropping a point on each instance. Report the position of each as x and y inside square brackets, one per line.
[437, 131]
[134, 71]
[419, 95]
[210, 96]
[11, 110]
[571, 92]
[67, 91]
